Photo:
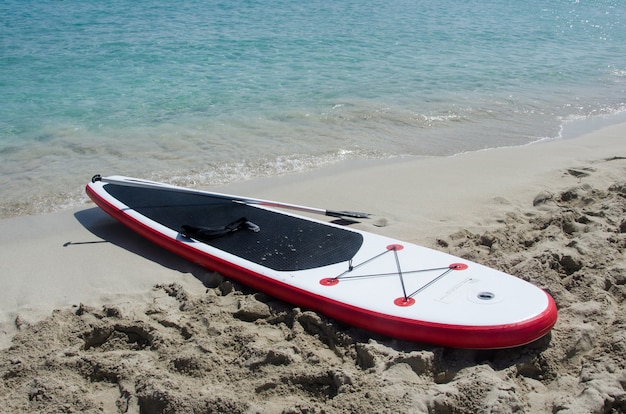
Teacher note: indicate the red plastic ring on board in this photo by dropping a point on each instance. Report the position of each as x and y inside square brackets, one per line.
[402, 301]
[458, 266]
[329, 281]
[395, 247]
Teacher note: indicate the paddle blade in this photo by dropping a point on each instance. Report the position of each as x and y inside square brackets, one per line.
[343, 213]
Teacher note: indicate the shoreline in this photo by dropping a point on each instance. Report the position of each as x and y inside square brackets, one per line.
[443, 183]
[59, 191]
[550, 212]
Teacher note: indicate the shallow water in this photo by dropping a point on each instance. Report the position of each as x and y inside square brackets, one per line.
[210, 92]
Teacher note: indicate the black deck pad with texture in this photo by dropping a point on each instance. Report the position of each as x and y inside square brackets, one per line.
[284, 243]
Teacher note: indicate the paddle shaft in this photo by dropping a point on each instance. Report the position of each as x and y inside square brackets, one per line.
[133, 182]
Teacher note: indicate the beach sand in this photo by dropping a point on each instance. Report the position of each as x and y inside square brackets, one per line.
[95, 319]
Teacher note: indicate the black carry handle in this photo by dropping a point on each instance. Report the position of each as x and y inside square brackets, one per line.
[210, 233]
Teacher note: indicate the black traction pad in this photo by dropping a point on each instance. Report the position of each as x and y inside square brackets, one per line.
[284, 243]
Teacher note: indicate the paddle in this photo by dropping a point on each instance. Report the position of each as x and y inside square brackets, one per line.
[134, 182]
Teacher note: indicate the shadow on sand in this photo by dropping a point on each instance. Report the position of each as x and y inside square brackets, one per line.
[109, 230]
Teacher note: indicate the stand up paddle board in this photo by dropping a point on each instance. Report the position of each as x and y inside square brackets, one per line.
[366, 280]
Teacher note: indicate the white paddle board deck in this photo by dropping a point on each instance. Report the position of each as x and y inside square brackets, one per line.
[373, 282]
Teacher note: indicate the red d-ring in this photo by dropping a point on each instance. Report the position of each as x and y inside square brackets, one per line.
[395, 247]
[329, 281]
[458, 266]
[402, 301]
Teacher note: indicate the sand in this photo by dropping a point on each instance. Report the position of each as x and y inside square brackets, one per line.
[96, 319]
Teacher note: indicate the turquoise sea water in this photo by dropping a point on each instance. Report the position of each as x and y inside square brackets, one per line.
[206, 92]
